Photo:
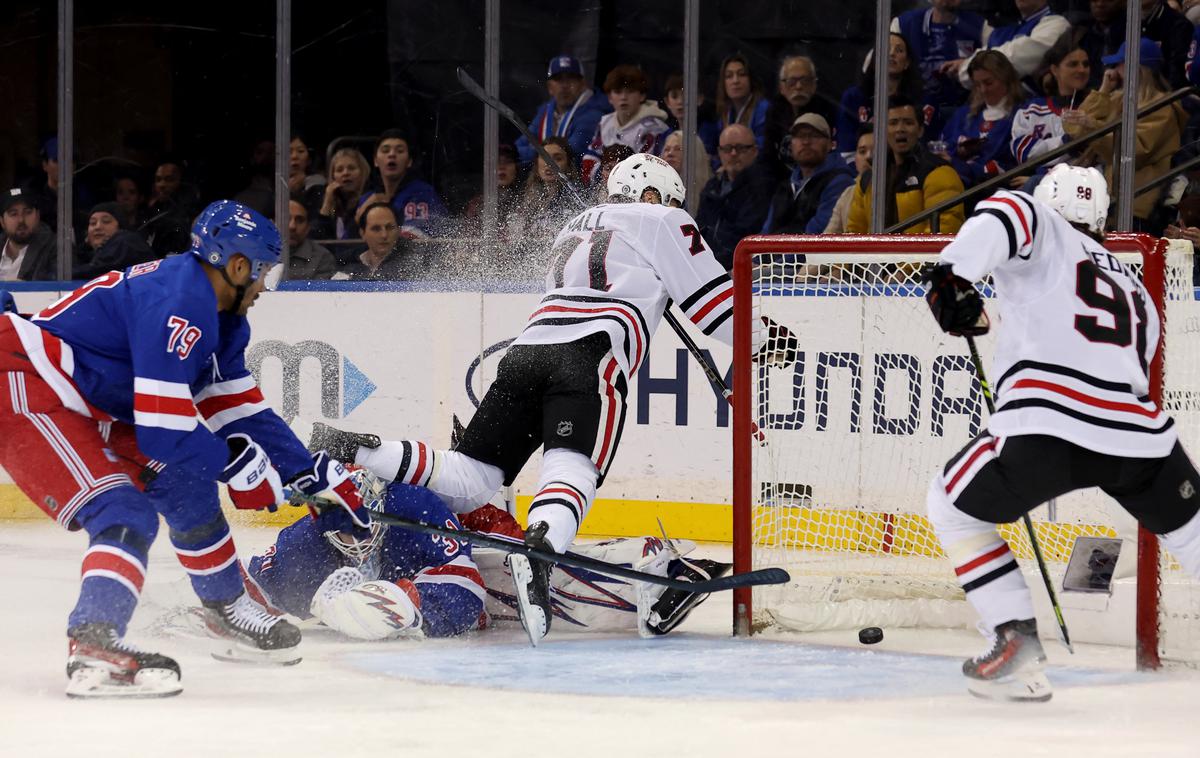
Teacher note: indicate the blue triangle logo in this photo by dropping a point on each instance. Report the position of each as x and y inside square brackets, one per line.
[356, 387]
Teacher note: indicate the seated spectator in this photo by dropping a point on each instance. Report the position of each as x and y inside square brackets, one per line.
[546, 202]
[259, 192]
[508, 192]
[45, 190]
[916, 179]
[416, 202]
[28, 250]
[735, 202]
[172, 207]
[612, 155]
[1103, 33]
[108, 246]
[672, 153]
[796, 96]
[635, 122]
[335, 219]
[739, 98]
[840, 217]
[1186, 224]
[1158, 132]
[128, 196]
[306, 259]
[978, 136]
[708, 127]
[573, 110]
[1173, 32]
[1024, 43]
[303, 182]
[803, 203]
[388, 255]
[1040, 125]
[858, 101]
[939, 34]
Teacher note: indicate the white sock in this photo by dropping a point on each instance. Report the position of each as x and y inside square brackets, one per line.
[463, 482]
[1184, 544]
[986, 567]
[566, 489]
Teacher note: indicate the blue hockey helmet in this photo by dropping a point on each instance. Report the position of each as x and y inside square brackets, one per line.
[226, 228]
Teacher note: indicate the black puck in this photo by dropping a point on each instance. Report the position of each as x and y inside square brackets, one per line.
[870, 635]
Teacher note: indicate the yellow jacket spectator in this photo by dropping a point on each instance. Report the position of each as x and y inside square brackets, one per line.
[916, 178]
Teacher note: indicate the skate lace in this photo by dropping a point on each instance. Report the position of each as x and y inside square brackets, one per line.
[251, 616]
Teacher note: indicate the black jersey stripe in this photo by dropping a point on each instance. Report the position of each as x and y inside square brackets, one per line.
[990, 576]
[1008, 227]
[571, 321]
[1037, 402]
[601, 300]
[1054, 368]
[699, 294]
[716, 322]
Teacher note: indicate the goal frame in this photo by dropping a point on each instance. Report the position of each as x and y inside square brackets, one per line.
[1153, 252]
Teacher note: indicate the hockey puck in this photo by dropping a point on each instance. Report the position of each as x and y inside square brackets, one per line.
[870, 635]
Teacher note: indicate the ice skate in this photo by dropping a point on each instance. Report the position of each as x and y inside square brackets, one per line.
[1013, 668]
[102, 665]
[247, 633]
[340, 445]
[532, 581]
[673, 606]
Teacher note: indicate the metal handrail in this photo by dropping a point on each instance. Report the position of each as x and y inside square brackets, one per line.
[1002, 179]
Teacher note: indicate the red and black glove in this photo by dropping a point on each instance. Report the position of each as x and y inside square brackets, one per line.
[957, 306]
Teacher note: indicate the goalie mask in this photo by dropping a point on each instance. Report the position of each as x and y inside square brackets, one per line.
[1079, 194]
[642, 171]
[360, 544]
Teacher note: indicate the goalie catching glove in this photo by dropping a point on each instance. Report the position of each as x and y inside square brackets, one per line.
[253, 482]
[957, 306]
[329, 480]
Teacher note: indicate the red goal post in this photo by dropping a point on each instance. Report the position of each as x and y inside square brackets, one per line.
[754, 260]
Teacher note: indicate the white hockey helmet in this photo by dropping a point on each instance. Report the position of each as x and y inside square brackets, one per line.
[1079, 194]
[361, 544]
[642, 171]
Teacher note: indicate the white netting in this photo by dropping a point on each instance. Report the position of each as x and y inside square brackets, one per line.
[879, 401]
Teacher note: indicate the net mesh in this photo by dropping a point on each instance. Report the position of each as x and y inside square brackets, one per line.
[856, 428]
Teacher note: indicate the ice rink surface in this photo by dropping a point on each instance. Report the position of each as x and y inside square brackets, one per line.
[697, 692]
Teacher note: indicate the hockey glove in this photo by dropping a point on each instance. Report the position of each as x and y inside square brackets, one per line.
[779, 347]
[329, 480]
[253, 482]
[957, 306]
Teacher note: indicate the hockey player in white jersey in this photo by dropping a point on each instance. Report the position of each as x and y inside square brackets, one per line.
[562, 384]
[1077, 334]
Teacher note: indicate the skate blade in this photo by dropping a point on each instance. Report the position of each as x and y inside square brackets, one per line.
[93, 683]
[1026, 688]
[230, 651]
[533, 620]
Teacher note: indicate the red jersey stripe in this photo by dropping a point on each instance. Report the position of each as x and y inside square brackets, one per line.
[699, 315]
[211, 406]
[171, 406]
[1111, 405]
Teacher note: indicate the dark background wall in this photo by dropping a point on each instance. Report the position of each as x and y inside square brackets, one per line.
[196, 79]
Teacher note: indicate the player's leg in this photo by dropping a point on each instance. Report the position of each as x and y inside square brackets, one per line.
[995, 481]
[1164, 495]
[244, 629]
[59, 461]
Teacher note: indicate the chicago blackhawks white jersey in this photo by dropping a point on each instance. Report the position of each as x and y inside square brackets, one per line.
[1077, 331]
[613, 268]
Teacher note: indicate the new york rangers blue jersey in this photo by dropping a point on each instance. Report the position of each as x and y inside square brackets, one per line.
[147, 346]
[440, 569]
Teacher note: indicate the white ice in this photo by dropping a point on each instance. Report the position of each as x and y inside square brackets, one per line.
[697, 692]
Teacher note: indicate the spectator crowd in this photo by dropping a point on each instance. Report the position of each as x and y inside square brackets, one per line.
[966, 103]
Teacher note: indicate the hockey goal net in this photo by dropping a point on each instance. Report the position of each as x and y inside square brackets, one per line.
[878, 401]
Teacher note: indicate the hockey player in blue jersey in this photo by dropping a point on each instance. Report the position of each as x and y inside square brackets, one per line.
[105, 388]
[378, 582]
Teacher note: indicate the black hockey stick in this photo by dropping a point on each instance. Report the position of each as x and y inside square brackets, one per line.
[495, 104]
[748, 579]
[1033, 540]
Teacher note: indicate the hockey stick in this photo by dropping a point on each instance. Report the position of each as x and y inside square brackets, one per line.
[495, 104]
[1033, 541]
[748, 579]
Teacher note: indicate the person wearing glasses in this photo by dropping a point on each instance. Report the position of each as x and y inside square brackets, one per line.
[734, 203]
[797, 96]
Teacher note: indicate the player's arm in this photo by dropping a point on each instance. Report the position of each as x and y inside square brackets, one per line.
[290, 571]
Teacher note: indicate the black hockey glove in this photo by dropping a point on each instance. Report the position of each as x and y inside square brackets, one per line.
[956, 304]
[779, 348]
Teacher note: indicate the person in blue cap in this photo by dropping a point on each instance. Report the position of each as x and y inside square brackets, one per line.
[573, 110]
